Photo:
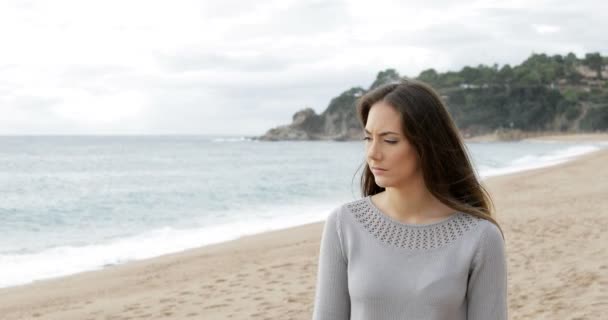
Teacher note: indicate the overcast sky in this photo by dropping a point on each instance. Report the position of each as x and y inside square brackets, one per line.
[241, 67]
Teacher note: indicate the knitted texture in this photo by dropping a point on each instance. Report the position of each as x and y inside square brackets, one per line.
[423, 236]
[374, 267]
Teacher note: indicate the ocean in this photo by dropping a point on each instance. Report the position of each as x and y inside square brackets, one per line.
[75, 203]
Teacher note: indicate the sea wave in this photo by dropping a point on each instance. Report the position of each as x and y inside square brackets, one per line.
[529, 162]
[20, 269]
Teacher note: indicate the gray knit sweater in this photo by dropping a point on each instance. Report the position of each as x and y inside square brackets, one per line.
[373, 267]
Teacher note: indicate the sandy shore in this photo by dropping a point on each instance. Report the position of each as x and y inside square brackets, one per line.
[587, 137]
[555, 221]
[544, 136]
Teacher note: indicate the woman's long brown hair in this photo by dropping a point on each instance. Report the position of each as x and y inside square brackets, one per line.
[442, 154]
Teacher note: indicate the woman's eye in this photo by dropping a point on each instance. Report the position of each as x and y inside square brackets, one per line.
[387, 141]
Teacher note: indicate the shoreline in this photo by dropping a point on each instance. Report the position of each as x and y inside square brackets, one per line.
[539, 136]
[272, 274]
[280, 228]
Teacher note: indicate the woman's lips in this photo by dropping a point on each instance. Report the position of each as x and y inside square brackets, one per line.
[378, 170]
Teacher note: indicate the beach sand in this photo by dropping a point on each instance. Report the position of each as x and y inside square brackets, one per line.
[583, 137]
[541, 136]
[555, 221]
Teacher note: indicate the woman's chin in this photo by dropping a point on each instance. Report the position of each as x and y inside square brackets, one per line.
[381, 183]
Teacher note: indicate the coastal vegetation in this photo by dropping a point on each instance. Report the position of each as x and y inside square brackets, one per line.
[558, 93]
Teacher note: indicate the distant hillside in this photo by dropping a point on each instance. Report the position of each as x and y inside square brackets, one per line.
[545, 93]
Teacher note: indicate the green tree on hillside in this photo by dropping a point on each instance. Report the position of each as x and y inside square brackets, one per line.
[429, 76]
[384, 77]
[595, 62]
[505, 75]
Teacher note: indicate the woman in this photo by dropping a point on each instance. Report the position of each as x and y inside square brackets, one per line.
[421, 243]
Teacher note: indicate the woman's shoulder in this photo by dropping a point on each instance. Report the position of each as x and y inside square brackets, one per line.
[489, 240]
[349, 207]
[488, 230]
[345, 210]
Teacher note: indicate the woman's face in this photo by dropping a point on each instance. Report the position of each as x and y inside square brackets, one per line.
[389, 154]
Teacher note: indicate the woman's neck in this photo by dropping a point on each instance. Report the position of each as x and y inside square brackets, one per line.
[412, 204]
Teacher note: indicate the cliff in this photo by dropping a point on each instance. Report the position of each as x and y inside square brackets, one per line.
[545, 93]
[338, 122]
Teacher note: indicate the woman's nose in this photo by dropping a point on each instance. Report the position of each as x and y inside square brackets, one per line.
[373, 151]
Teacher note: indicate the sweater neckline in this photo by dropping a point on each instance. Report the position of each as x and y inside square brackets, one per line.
[376, 211]
[410, 236]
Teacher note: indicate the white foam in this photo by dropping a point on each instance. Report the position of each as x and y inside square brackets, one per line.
[61, 261]
[235, 139]
[538, 161]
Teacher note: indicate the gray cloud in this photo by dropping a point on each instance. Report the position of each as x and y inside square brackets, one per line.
[192, 61]
[243, 66]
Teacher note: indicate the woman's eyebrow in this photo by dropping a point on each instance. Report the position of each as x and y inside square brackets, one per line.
[383, 133]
